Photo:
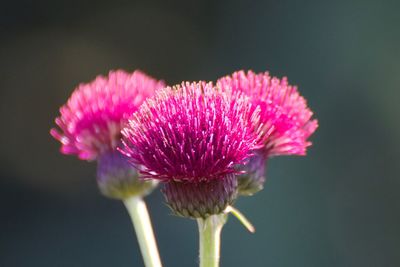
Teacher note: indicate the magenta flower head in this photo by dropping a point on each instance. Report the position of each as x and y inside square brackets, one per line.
[284, 117]
[91, 121]
[191, 137]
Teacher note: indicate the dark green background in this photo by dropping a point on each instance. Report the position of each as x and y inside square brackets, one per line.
[339, 206]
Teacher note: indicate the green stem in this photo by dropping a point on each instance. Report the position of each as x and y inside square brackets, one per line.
[246, 223]
[209, 233]
[144, 232]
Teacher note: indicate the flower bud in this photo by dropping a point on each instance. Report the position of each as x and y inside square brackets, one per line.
[201, 199]
[253, 179]
[117, 178]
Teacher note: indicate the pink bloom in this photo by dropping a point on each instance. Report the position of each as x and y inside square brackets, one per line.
[191, 132]
[91, 120]
[285, 118]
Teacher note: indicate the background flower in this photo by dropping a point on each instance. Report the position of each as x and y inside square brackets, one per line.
[285, 117]
[92, 119]
[285, 122]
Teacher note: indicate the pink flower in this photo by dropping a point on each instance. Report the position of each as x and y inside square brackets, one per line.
[91, 120]
[284, 117]
[285, 122]
[191, 132]
[191, 137]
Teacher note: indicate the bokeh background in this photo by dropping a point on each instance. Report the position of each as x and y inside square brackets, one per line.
[339, 206]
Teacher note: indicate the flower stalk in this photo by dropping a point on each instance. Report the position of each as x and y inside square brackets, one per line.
[209, 239]
[141, 221]
[242, 219]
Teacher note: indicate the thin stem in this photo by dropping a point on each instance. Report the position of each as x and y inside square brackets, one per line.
[246, 223]
[144, 232]
[209, 237]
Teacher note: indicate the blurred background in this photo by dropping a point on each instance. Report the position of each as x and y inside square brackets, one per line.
[339, 206]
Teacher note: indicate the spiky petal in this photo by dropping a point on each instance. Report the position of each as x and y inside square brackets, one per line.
[190, 133]
[92, 119]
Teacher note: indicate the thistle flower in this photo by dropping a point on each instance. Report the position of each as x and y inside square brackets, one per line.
[91, 121]
[284, 117]
[191, 137]
[92, 118]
